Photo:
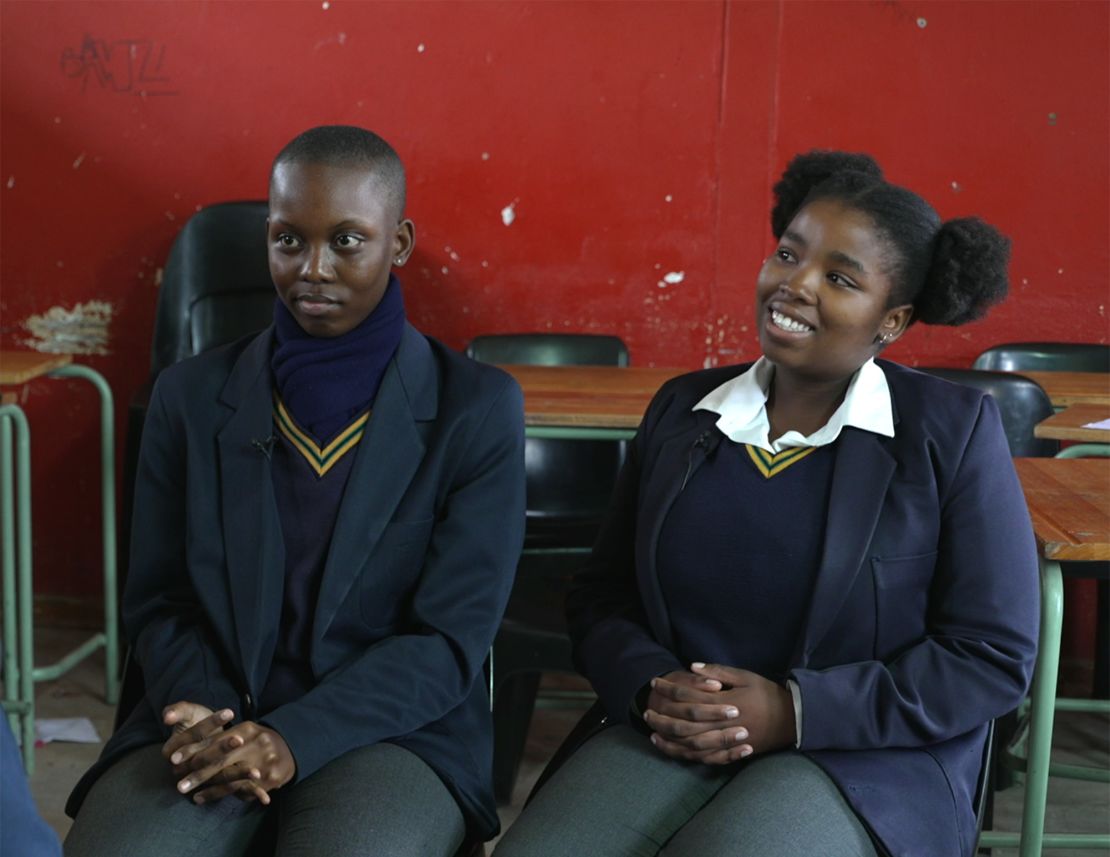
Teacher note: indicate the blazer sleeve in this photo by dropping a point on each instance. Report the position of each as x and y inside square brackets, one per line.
[975, 661]
[412, 679]
[614, 646]
[169, 631]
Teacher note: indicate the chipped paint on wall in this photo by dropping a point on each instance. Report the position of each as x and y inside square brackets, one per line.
[508, 213]
[81, 330]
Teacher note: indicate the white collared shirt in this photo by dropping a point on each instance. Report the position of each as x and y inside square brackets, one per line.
[742, 404]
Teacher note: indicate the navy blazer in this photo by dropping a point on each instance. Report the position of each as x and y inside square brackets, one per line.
[923, 621]
[419, 569]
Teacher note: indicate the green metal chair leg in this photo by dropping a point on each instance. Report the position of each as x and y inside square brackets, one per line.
[7, 561]
[109, 638]
[24, 702]
[1043, 711]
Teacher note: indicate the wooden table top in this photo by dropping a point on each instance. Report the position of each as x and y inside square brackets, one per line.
[1074, 388]
[1069, 424]
[1069, 502]
[19, 367]
[588, 396]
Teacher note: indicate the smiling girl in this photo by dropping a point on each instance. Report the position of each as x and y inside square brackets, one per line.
[817, 583]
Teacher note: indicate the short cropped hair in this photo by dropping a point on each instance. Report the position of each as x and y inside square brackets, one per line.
[348, 146]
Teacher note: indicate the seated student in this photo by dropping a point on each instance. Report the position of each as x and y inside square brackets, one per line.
[817, 583]
[328, 516]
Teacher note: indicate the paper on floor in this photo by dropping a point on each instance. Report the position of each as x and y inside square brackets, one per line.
[78, 730]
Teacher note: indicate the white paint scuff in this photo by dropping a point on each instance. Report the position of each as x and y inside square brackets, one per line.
[508, 213]
[11, 182]
[81, 330]
[78, 160]
[671, 278]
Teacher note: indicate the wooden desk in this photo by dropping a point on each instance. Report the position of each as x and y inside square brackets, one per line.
[587, 402]
[1069, 504]
[1069, 424]
[19, 367]
[1074, 388]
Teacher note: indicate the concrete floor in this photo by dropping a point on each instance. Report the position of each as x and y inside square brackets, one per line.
[1073, 806]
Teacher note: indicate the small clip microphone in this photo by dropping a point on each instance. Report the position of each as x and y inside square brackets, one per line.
[264, 445]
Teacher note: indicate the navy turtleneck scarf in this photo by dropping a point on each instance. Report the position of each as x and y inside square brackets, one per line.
[325, 382]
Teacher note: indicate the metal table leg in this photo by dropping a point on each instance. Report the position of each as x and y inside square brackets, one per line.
[19, 689]
[109, 637]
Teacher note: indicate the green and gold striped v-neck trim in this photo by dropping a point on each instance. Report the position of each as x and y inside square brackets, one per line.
[321, 460]
[773, 463]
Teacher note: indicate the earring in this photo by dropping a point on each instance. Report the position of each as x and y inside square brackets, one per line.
[398, 261]
[885, 338]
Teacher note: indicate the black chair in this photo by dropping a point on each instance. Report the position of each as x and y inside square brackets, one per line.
[1045, 357]
[568, 488]
[1021, 402]
[216, 287]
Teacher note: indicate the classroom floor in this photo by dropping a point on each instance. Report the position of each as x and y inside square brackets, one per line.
[1073, 806]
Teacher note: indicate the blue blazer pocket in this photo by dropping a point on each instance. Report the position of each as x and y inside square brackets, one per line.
[901, 600]
[392, 571]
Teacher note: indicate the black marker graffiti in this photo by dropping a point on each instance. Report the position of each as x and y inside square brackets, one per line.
[131, 66]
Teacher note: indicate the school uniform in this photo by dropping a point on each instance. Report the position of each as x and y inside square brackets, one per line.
[899, 599]
[378, 633]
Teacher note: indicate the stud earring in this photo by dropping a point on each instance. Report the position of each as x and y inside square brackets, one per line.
[885, 338]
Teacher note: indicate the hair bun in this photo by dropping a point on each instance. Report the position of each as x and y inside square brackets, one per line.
[807, 171]
[968, 273]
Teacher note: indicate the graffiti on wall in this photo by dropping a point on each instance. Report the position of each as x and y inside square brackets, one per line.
[126, 66]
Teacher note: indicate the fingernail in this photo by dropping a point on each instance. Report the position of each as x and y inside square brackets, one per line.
[732, 712]
[741, 735]
[655, 739]
[652, 683]
[747, 751]
[175, 758]
[697, 665]
[226, 714]
[647, 714]
[183, 786]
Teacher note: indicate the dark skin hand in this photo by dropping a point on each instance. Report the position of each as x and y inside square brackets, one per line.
[248, 760]
[718, 715]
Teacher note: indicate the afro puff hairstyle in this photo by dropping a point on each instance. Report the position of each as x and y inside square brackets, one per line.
[951, 272]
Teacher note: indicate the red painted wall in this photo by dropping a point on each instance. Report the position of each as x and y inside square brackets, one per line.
[632, 140]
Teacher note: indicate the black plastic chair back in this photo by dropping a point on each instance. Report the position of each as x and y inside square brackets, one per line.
[216, 286]
[1021, 401]
[1045, 357]
[568, 481]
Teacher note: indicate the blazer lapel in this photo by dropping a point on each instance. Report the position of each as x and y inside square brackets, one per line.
[861, 474]
[679, 458]
[251, 527]
[387, 457]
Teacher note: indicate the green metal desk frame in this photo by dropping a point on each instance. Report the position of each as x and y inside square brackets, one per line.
[1042, 709]
[20, 674]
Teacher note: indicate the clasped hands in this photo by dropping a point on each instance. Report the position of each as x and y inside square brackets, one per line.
[718, 715]
[211, 761]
